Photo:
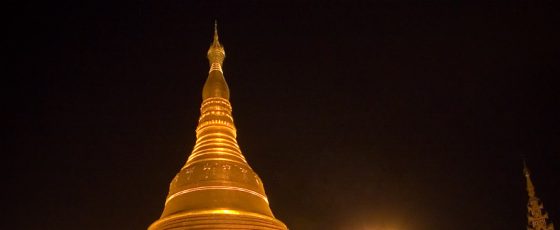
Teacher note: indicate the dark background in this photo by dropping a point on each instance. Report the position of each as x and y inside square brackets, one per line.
[386, 116]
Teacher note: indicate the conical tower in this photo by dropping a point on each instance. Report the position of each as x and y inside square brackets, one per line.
[537, 220]
[216, 189]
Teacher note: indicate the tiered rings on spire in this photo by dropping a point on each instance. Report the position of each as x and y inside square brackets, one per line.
[216, 53]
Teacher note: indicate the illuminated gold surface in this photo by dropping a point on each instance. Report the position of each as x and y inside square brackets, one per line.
[216, 189]
[537, 220]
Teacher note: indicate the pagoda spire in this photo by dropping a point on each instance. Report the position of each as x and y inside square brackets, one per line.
[216, 188]
[215, 85]
[537, 219]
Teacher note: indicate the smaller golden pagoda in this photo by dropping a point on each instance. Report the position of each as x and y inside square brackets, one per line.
[537, 220]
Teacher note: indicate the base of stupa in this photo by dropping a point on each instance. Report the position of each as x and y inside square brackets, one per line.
[218, 219]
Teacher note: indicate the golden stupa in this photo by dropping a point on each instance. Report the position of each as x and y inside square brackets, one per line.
[216, 189]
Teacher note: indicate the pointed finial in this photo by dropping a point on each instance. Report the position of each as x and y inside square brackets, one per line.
[215, 30]
[525, 169]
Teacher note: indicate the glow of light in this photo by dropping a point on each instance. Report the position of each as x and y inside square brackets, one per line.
[225, 211]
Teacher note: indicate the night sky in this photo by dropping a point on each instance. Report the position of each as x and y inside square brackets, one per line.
[392, 115]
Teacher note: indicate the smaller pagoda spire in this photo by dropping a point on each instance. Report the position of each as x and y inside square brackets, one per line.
[537, 219]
